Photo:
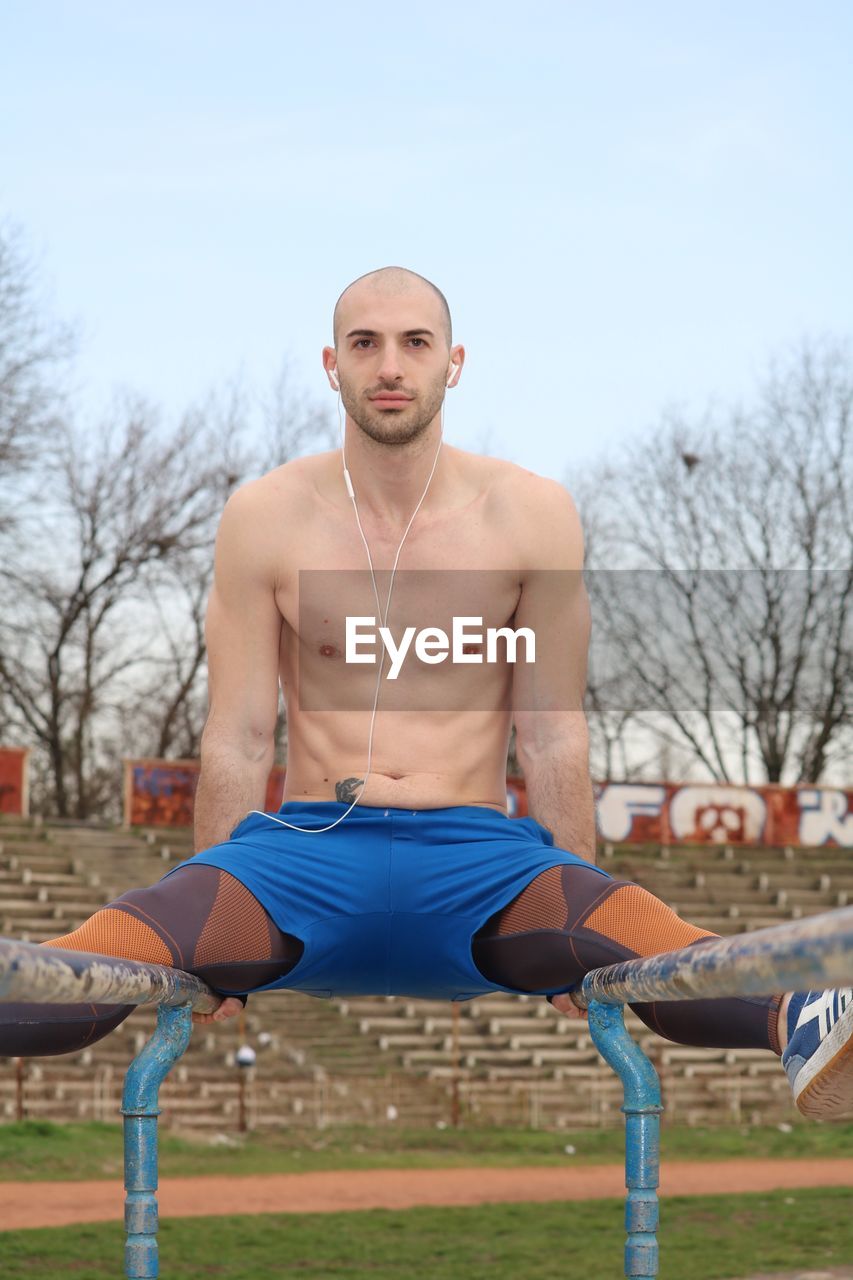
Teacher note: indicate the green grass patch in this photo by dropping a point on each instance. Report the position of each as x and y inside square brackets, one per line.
[38, 1150]
[703, 1238]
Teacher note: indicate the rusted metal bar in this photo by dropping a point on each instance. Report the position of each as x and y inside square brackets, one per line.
[51, 975]
[813, 953]
[800, 955]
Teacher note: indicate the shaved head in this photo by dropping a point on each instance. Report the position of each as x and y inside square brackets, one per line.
[392, 361]
[394, 281]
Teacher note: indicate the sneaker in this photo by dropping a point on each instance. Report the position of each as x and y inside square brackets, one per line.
[819, 1055]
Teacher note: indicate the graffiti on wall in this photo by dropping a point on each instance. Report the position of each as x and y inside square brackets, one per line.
[703, 813]
[161, 793]
[14, 798]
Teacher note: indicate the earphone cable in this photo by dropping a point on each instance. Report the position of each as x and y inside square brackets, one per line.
[340, 818]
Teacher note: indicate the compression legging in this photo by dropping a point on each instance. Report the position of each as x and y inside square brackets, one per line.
[201, 920]
[569, 920]
[564, 923]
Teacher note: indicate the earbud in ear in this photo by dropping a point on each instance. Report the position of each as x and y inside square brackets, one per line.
[451, 375]
[335, 383]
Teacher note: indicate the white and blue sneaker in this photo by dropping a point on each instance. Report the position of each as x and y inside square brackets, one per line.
[819, 1055]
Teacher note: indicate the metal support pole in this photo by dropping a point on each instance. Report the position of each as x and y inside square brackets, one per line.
[642, 1110]
[140, 1110]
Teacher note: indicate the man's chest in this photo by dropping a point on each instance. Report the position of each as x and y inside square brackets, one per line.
[456, 579]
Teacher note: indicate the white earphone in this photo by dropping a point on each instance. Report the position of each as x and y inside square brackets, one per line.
[454, 369]
[452, 374]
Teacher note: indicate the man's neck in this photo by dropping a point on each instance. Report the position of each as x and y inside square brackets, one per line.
[389, 480]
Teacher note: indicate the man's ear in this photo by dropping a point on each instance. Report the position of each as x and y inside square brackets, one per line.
[330, 364]
[455, 361]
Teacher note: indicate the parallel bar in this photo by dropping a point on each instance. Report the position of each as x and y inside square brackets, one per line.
[140, 1110]
[816, 952]
[56, 976]
[51, 975]
[642, 1108]
[798, 956]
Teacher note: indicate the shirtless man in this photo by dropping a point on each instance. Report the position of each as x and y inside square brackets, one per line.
[409, 877]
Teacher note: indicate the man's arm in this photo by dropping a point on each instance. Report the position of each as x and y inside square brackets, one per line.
[552, 740]
[243, 631]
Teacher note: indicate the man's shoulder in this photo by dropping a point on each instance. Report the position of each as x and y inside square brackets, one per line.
[284, 489]
[529, 495]
[506, 478]
[538, 514]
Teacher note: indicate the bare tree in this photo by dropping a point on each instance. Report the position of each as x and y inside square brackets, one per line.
[33, 354]
[722, 600]
[106, 552]
[125, 505]
[278, 425]
[33, 358]
[290, 422]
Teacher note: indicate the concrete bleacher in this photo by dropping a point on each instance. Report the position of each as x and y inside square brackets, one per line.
[508, 1059]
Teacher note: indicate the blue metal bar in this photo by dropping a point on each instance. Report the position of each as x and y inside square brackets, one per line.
[815, 952]
[642, 1108]
[54, 975]
[140, 1109]
[796, 956]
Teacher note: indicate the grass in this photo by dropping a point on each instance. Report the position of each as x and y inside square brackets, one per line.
[38, 1150]
[703, 1238]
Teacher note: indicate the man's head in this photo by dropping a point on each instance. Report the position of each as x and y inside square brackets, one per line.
[392, 334]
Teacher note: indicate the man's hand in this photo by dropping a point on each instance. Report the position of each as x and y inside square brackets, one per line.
[565, 1004]
[229, 1008]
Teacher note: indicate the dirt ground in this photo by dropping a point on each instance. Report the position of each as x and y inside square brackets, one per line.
[47, 1204]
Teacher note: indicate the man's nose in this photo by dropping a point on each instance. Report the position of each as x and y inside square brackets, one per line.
[390, 369]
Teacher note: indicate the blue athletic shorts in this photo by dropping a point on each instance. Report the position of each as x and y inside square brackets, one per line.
[388, 901]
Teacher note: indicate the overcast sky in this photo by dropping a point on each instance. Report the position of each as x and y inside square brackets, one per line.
[629, 206]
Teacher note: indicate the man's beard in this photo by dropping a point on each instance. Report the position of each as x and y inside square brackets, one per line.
[394, 427]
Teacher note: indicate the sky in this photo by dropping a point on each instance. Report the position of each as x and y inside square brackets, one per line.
[630, 207]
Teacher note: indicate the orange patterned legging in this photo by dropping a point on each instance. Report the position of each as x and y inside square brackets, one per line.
[568, 921]
[201, 920]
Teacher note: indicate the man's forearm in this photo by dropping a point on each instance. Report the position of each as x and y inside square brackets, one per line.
[560, 797]
[229, 786]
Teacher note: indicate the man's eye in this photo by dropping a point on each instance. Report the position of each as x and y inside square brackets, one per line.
[361, 340]
[420, 340]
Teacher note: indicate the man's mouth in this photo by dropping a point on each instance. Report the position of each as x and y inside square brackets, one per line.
[390, 397]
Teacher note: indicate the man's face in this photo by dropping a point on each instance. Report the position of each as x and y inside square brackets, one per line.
[392, 362]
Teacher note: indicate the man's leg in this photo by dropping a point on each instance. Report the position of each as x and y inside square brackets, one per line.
[570, 919]
[199, 919]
